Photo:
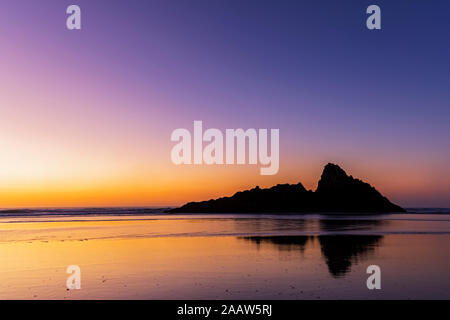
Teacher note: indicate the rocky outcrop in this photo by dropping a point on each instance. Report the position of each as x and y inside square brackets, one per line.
[336, 192]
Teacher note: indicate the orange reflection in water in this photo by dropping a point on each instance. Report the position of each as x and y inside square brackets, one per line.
[123, 260]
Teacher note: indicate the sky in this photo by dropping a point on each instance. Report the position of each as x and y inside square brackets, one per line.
[86, 115]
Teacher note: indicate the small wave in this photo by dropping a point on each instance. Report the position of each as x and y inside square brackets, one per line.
[79, 212]
[429, 210]
[422, 213]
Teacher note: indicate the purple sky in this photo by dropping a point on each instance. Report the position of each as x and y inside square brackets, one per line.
[81, 110]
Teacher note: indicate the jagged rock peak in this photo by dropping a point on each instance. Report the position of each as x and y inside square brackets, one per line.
[332, 176]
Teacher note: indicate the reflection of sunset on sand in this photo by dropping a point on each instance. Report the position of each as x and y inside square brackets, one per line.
[226, 257]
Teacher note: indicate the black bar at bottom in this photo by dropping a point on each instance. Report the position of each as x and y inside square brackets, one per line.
[226, 309]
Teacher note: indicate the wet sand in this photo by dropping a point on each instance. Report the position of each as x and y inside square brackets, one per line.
[223, 258]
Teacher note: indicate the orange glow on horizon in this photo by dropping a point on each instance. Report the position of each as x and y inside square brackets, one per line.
[172, 185]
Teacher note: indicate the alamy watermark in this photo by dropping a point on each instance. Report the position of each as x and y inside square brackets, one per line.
[73, 21]
[74, 280]
[374, 280]
[230, 149]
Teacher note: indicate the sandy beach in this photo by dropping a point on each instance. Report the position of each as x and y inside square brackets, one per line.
[225, 257]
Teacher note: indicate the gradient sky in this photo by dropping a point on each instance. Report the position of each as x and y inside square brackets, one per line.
[86, 116]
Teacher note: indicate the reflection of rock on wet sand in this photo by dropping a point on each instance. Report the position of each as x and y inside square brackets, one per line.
[339, 251]
[283, 243]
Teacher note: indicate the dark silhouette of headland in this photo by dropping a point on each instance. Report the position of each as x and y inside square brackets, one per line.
[336, 192]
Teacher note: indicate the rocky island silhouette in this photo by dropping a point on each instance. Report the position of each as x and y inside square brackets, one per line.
[336, 192]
